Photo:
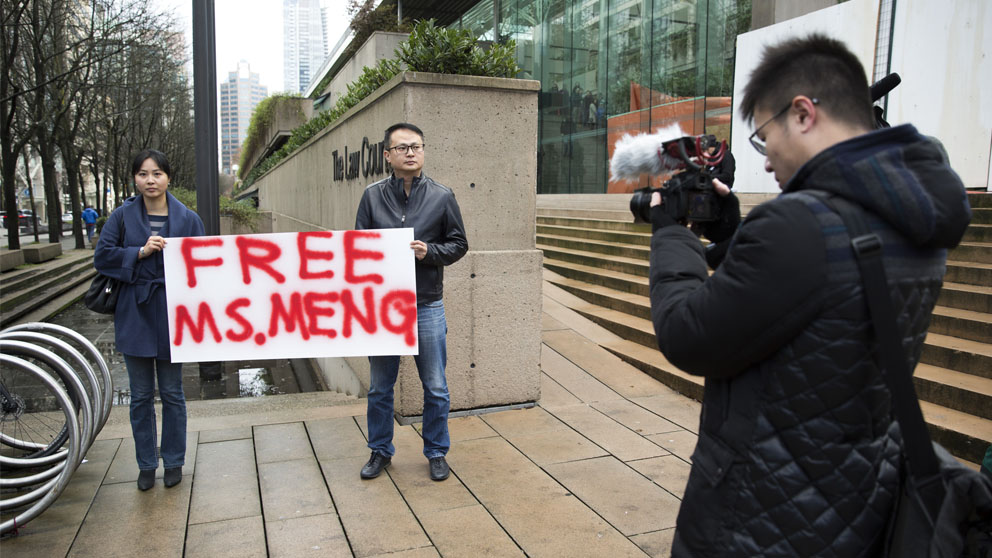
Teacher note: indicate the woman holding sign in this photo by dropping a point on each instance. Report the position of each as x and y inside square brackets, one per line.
[130, 250]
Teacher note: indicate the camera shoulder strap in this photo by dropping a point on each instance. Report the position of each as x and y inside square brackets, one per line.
[867, 246]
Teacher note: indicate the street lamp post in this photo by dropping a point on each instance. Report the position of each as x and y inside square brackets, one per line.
[205, 125]
[205, 114]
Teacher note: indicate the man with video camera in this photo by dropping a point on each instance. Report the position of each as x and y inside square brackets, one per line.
[797, 453]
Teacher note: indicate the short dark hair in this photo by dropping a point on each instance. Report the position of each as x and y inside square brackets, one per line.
[400, 126]
[155, 155]
[816, 66]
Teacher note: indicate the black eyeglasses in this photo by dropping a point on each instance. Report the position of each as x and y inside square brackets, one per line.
[404, 149]
[758, 143]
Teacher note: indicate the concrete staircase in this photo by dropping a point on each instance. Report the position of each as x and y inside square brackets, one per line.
[34, 293]
[593, 251]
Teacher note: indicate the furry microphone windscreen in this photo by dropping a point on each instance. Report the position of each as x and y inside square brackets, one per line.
[636, 155]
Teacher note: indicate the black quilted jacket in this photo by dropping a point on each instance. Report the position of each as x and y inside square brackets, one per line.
[797, 453]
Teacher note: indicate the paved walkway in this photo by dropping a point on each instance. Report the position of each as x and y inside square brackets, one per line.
[596, 469]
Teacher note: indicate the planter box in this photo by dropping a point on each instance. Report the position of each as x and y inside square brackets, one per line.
[41, 252]
[9, 259]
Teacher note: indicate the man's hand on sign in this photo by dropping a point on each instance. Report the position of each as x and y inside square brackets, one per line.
[154, 244]
[419, 249]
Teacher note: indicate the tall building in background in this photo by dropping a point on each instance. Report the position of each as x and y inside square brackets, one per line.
[239, 96]
[304, 42]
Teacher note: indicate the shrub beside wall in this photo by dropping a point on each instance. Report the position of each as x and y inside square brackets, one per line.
[429, 49]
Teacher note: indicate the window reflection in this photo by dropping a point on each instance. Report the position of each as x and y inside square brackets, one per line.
[611, 67]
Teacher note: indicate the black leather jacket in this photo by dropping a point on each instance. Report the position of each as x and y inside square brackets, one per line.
[433, 213]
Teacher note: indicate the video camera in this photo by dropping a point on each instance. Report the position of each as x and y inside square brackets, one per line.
[688, 195]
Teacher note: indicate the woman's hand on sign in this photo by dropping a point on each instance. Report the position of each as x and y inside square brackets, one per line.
[419, 249]
[154, 244]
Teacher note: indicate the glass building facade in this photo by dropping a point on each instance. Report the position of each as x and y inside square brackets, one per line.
[612, 67]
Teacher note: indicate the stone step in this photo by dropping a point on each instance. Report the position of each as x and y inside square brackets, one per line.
[969, 273]
[981, 215]
[598, 235]
[619, 281]
[940, 350]
[576, 222]
[955, 390]
[28, 276]
[963, 324]
[650, 361]
[978, 252]
[958, 354]
[601, 214]
[978, 233]
[50, 307]
[605, 262]
[980, 199]
[628, 303]
[18, 307]
[36, 285]
[631, 328]
[967, 297]
[964, 435]
[596, 246]
[630, 277]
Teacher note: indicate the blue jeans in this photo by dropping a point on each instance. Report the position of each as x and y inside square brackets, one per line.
[141, 372]
[432, 331]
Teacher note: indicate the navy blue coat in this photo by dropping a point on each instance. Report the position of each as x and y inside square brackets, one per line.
[141, 322]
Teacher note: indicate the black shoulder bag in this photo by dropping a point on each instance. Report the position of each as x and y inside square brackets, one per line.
[103, 292]
[943, 508]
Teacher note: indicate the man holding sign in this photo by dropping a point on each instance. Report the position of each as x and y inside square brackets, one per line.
[408, 199]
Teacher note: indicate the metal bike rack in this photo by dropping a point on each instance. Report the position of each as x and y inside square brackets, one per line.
[54, 400]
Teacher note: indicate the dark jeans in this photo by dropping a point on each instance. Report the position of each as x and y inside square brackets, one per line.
[141, 372]
[431, 336]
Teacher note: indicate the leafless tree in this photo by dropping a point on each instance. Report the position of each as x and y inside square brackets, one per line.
[89, 82]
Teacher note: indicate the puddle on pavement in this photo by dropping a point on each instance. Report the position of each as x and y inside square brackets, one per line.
[254, 378]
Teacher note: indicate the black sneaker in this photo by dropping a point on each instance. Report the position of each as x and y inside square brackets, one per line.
[146, 479]
[377, 462]
[439, 468]
[173, 477]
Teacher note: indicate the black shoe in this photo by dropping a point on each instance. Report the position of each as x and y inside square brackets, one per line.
[439, 468]
[377, 462]
[146, 479]
[173, 477]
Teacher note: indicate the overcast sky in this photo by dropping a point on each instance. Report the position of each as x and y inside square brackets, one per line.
[252, 31]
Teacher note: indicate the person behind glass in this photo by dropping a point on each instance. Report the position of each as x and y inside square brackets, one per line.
[130, 250]
[724, 170]
[408, 198]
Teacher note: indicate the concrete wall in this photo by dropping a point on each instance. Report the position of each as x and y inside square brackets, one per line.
[378, 46]
[263, 224]
[768, 12]
[481, 138]
[288, 115]
[941, 51]
[854, 22]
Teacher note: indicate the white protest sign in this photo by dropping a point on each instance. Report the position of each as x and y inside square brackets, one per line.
[291, 295]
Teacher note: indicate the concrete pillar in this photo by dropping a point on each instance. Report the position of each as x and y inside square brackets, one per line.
[481, 137]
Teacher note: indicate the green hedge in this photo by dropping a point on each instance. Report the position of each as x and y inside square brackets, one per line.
[242, 212]
[428, 49]
[261, 119]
